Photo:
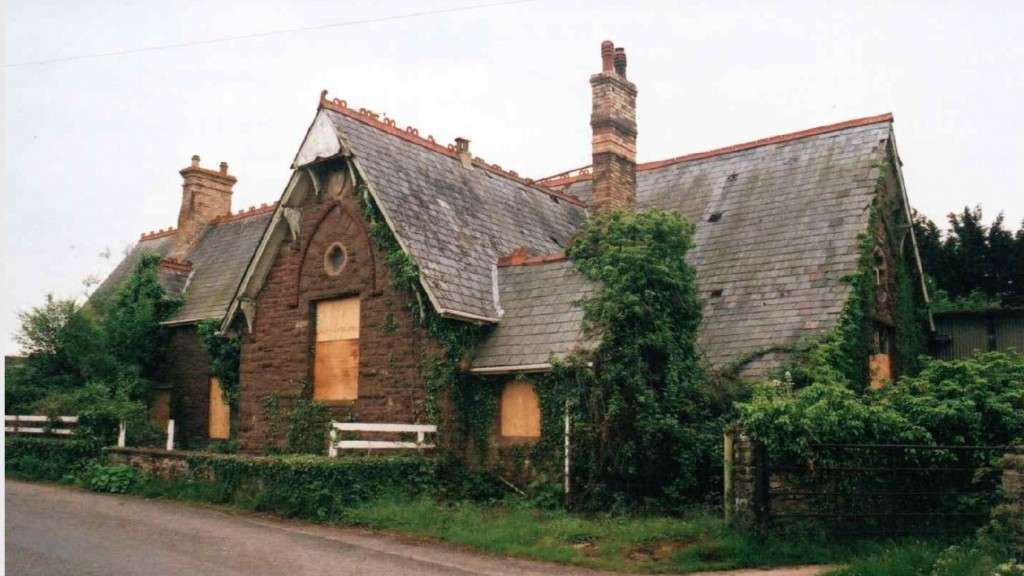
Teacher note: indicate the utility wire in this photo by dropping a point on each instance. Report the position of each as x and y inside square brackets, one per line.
[264, 34]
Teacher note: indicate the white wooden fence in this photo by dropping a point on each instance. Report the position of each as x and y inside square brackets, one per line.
[37, 424]
[421, 430]
[65, 426]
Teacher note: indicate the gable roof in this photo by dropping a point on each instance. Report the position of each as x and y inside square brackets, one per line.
[541, 320]
[218, 260]
[776, 227]
[454, 220]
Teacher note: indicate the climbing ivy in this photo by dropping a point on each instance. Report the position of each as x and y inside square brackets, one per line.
[473, 399]
[645, 429]
[225, 356]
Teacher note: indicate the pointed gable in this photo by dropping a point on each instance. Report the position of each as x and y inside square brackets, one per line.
[454, 220]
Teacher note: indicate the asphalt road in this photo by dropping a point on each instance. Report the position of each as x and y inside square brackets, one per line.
[51, 530]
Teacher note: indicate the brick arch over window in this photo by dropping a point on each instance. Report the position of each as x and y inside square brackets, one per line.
[347, 215]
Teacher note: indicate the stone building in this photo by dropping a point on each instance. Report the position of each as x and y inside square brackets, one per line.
[303, 284]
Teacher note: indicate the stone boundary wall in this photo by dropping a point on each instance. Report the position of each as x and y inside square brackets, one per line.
[1011, 512]
[164, 464]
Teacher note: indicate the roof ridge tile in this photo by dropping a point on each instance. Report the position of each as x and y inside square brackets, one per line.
[240, 215]
[412, 135]
[584, 172]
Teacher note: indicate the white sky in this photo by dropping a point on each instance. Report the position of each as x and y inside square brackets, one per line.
[93, 146]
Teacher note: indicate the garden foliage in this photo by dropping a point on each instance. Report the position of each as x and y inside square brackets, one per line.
[977, 401]
[96, 361]
[647, 425]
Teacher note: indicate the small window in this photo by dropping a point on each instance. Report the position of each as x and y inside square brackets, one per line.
[336, 366]
[220, 412]
[520, 411]
[715, 217]
[335, 259]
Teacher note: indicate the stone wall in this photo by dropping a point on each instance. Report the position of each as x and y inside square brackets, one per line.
[277, 356]
[1011, 512]
[160, 463]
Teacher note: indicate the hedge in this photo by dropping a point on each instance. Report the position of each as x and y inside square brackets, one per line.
[305, 486]
[50, 459]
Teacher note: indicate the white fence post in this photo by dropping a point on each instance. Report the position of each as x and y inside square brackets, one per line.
[332, 449]
[568, 446]
[121, 434]
[170, 434]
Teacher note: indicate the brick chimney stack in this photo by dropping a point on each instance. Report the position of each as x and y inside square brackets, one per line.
[613, 121]
[205, 196]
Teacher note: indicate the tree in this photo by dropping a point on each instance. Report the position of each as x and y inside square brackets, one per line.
[972, 266]
[95, 361]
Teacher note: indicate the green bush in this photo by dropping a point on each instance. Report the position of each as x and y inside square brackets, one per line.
[51, 459]
[308, 425]
[647, 422]
[115, 479]
[977, 401]
[312, 487]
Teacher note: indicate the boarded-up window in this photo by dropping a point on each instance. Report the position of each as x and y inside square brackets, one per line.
[520, 411]
[160, 409]
[220, 412]
[880, 367]
[336, 372]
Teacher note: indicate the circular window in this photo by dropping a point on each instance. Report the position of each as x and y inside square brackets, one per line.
[335, 259]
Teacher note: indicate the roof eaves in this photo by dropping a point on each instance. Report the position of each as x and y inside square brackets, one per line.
[523, 368]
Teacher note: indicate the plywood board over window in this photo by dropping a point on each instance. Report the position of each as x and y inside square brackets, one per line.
[336, 367]
[160, 409]
[520, 411]
[220, 412]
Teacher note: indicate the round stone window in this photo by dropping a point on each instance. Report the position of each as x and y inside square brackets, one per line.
[335, 259]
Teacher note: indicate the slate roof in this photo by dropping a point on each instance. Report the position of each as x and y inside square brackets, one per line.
[454, 221]
[218, 260]
[541, 321]
[787, 214]
[160, 246]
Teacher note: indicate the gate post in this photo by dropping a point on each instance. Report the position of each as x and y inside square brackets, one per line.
[762, 483]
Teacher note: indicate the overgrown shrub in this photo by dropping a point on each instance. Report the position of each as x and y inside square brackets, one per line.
[308, 425]
[647, 429]
[313, 487]
[96, 361]
[48, 459]
[977, 401]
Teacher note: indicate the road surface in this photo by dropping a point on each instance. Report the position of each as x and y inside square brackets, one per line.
[53, 530]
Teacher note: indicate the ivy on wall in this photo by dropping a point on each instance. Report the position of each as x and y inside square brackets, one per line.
[225, 356]
[473, 399]
[645, 427]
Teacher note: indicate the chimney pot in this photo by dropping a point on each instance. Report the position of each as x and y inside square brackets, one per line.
[620, 62]
[607, 55]
[613, 125]
[462, 149]
[205, 197]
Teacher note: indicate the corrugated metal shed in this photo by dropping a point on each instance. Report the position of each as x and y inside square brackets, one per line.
[962, 334]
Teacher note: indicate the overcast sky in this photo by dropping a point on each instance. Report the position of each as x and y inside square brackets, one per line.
[93, 145]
